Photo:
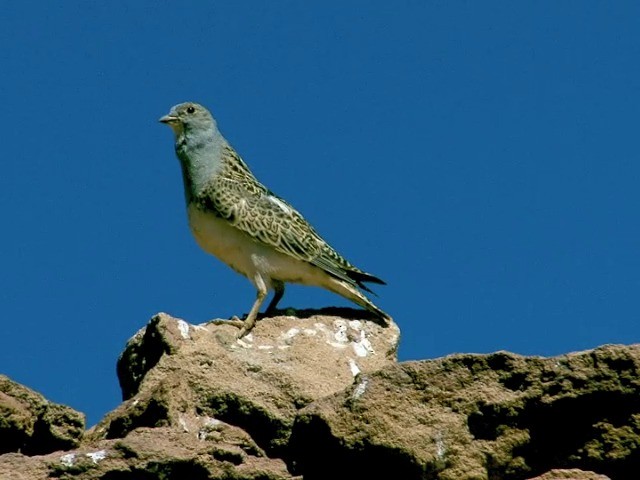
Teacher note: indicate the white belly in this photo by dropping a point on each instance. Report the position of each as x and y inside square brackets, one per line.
[246, 255]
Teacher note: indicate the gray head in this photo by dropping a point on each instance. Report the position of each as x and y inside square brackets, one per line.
[188, 118]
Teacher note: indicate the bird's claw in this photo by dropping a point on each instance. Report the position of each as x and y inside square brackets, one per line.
[245, 326]
[233, 321]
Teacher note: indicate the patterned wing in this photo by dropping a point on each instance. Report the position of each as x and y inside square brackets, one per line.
[236, 195]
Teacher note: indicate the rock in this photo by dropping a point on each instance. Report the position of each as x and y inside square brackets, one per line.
[32, 425]
[174, 374]
[149, 453]
[200, 404]
[320, 395]
[572, 474]
[498, 416]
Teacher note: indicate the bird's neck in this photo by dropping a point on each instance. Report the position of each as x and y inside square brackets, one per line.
[200, 155]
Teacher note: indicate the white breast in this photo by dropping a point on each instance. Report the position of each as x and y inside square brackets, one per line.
[246, 255]
[217, 237]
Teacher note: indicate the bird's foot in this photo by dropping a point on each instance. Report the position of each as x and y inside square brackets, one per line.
[247, 326]
[233, 321]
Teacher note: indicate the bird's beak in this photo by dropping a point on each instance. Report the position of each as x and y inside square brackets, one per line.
[168, 119]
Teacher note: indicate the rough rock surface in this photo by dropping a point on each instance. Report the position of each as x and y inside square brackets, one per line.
[498, 416]
[320, 395]
[177, 374]
[571, 474]
[160, 453]
[32, 425]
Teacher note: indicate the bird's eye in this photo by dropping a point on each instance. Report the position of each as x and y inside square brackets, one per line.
[191, 109]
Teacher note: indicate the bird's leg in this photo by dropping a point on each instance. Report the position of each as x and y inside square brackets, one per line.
[250, 321]
[278, 286]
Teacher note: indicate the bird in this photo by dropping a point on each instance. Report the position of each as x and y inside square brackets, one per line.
[258, 234]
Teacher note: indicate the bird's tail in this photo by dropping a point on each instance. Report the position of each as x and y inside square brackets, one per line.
[350, 292]
[361, 277]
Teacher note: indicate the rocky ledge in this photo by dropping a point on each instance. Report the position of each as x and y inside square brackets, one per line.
[321, 395]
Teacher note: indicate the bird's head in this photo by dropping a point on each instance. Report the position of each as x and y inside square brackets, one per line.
[188, 116]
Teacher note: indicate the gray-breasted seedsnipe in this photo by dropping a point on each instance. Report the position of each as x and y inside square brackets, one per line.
[237, 219]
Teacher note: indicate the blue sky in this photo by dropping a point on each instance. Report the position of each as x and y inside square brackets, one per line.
[481, 157]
